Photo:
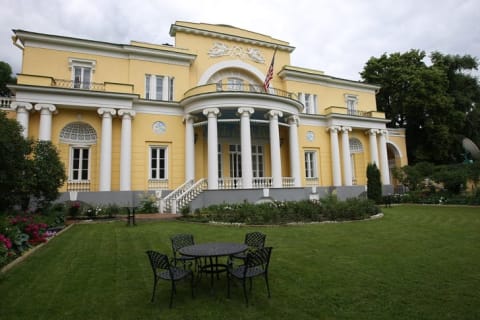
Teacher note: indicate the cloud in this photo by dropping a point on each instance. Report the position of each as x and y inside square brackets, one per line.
[337, 37]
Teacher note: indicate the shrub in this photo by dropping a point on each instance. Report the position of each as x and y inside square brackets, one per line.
[374, 185]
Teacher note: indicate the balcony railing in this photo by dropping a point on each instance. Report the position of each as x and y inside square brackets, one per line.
[157, 184]
[5, 102]
[78, 185]
[70, 84]
[246, 88]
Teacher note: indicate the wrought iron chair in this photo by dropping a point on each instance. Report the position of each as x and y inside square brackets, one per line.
[254, 240]
[179, 241]
[256, 264]
[163, 270]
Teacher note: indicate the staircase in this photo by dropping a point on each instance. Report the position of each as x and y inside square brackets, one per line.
[182, 196]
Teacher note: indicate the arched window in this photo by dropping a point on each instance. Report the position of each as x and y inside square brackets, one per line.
[80, 136]
[78, 133]
[355, 147]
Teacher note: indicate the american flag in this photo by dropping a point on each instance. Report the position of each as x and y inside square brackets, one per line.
[269, 76]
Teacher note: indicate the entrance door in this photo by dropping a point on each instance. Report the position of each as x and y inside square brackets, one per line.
[235, 164]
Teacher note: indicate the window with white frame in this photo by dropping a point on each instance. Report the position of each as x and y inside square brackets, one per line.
[235, 84]
[158, 163]
[82, 72]
[257, 161]
[158, 87]
[355, 148]
[311, 164]
[310, 102]
[352, 102]
[79, 164]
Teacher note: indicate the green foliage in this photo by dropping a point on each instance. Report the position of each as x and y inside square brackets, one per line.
[5, 78]
[437, 104]
[14, 150]
[148, 204]
[282, 212]
[48, 173]
[374, 184]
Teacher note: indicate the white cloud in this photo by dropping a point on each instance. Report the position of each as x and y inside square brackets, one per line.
[337, 37]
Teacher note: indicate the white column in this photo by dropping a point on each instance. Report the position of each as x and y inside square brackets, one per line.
[106, 149]
[23, 114]
[126, 149]
[275, 148]
[337, 177]
[301, 97]
[347, 161]
[246, 145]
[189, 148]
[384, 157]
[211, 114]
[294, 151]
[45, 130]
[372, 135]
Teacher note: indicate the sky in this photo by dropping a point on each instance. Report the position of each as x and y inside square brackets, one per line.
[337, 37]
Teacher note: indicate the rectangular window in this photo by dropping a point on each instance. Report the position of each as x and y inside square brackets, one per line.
[351, 101]
[81, 77]
[307, 103]
[147, 86]
[257, 161]
[158, 87]
[311, 164]
[158, 163]
[155, 87]
[80, 164]
[310, 102]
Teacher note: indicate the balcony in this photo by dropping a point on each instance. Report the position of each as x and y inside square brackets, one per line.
[244, 88]
[5, 102]
[70, 84]
[356, 113]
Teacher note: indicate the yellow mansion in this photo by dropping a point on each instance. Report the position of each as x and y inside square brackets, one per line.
[193, 122]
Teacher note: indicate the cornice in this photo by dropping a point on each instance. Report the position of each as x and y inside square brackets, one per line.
[64, 43]
[304, 75]
[224, 36]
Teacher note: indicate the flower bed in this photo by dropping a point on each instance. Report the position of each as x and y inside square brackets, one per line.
[20, 232]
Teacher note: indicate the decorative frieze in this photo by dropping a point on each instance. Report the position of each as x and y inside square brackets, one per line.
[220, 49]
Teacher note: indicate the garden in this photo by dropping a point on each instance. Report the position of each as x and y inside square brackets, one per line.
[417, 262]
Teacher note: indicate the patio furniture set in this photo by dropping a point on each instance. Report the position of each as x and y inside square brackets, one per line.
[190, 261]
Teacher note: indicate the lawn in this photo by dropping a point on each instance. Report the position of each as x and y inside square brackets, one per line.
[417, 262]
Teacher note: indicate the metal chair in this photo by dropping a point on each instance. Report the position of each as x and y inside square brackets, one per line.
[256, 264]
[163, 270]
[254, 240]
[179, 241]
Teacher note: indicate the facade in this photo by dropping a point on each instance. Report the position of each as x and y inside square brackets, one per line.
[193, 122]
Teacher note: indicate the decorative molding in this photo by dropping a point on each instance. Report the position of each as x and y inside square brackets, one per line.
[243, 110]
[20, 104]
[211, 112]
[128, 113]
[45, 106]
[219, 49]
[106, 112]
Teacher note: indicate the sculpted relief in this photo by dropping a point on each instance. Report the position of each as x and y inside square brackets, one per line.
[219, 49]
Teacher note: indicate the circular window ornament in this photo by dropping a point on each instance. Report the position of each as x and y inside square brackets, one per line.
[310, 136]
[159, 127]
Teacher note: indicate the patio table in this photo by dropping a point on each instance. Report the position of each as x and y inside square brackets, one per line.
[210, 251]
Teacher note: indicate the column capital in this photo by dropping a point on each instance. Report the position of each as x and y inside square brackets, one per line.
[106, 111]
[20, 104]
[127, 113]
[189, 118]
[274, 114]
[293, 120]
[211, 112]
[334, 129]
[346, 129]
[383, 132]
[45, 106]
[371, 132]
[243, 110]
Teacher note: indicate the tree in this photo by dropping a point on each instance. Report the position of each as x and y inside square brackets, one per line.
[14, 150]
[5, 78]
[427, 101]
[48, 173]
[374, 185]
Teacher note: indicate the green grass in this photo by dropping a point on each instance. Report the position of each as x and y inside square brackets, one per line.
[418, 262]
